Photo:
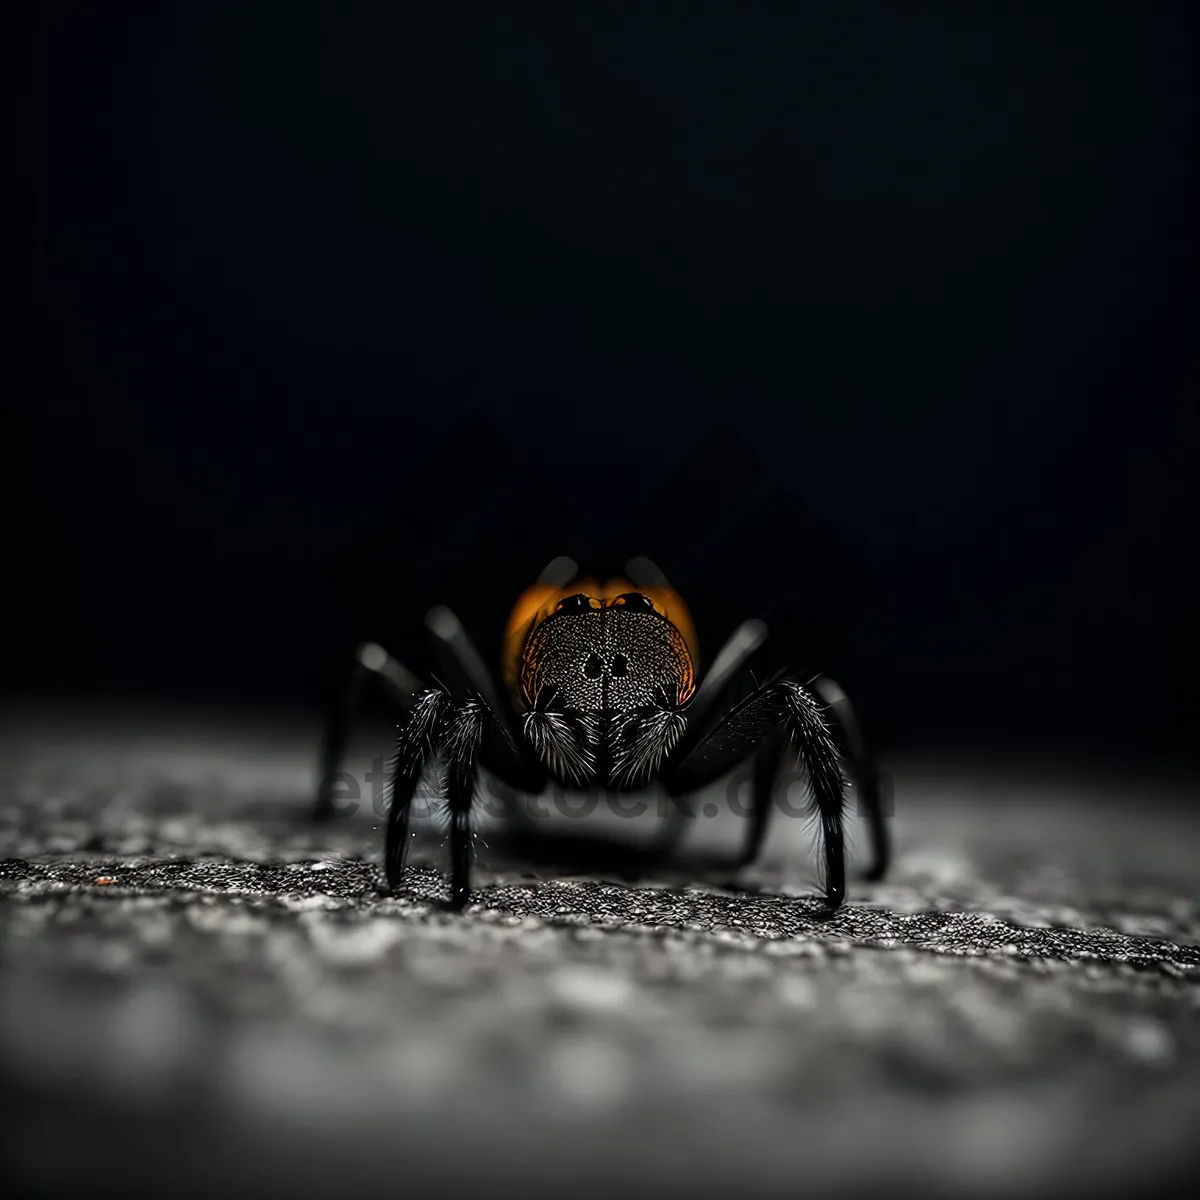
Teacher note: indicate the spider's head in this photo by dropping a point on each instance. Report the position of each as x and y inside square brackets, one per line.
[606, 657]
[603, 673]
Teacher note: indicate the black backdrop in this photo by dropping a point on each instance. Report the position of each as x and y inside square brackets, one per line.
[877, 321]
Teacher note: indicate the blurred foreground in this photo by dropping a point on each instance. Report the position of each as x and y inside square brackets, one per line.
[201, 990]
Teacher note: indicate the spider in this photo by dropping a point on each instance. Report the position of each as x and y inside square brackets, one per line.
[603, 692]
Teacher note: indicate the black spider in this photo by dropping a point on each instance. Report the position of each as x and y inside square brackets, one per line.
[603, 692]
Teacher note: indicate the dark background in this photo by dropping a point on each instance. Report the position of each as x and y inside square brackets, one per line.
[878, 322]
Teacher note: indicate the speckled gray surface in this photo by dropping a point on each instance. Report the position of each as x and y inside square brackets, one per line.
[201, 987]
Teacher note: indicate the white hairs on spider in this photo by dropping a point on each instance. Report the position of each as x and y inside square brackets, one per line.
[556, 739]
[654, 736]
[464, 730]
[422, 722]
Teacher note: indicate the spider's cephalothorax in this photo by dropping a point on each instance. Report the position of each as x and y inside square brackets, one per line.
[604, 680]
[604, 688]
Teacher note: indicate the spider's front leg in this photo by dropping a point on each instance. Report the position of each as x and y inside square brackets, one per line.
[437, 734]
[761, 725]
[455, 738]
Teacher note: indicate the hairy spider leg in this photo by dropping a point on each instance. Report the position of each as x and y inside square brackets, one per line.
[781, 707]
[867, 780]
[454, 730]
[453, 738]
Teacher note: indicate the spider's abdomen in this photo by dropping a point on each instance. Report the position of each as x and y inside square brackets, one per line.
[606, 659]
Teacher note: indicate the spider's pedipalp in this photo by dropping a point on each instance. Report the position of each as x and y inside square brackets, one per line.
[566, 744]
[639, 743]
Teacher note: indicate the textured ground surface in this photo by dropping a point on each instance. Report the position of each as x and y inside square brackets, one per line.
[200, 986]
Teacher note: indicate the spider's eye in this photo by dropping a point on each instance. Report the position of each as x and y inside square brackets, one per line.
[577, 603]
[593, 668]
[635, 601]
[620, 665]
